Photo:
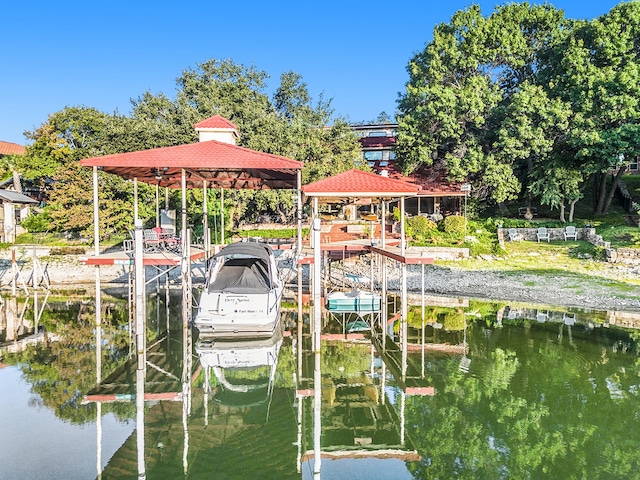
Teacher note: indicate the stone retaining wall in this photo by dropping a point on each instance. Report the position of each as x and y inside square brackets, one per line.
[530, 234]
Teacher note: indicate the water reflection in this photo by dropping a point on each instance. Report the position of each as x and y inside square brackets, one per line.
[476, 389]
[244, 370]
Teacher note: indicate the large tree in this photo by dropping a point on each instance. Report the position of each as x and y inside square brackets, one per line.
[595, 68]
[525, 102]
[290, 124]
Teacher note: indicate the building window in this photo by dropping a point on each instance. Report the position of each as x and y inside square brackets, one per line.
[392, 155]
[378, 134]
[633, 165]
[373, 155]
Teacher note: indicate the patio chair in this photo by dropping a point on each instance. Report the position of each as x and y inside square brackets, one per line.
[171, 241]
[514, 235]
[543, 234]
[542, 316]
[570, 232]
[151, 240]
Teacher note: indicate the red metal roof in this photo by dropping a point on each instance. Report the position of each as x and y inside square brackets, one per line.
[8, 148]
[221, 164]
[356, 183]
[217, 121]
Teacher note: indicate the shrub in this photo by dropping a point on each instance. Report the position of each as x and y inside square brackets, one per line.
[420, 226]
[37, 223]
[453, 225]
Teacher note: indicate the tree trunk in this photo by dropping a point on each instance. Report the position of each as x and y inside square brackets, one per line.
[601, 193]
[572, 208]
[612, 191]
[503, 209]
[562, 212]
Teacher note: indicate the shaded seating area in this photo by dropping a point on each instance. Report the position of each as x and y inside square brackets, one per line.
[570, 232]
[157, 238]
[543, 234]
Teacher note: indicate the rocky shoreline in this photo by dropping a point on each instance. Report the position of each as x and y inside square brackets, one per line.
[593, 292]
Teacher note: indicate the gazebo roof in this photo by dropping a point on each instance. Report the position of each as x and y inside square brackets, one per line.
[217, 121]
[356, 183]
[221, 164]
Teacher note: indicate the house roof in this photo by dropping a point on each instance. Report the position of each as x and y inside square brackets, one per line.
[221, 164]
[356, 183]
[11, 196]
[8, 148]
[217, 121]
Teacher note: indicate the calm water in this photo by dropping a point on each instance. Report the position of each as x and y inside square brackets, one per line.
[471, 390]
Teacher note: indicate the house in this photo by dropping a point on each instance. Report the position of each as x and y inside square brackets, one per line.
[437, 198]
[14, 205]
[15, 208]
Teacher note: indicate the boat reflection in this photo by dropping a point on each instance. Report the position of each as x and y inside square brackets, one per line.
[244, 369]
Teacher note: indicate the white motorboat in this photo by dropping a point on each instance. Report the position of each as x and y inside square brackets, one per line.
[242, 292]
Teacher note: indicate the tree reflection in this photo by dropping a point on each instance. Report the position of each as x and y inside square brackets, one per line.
[533, 410]
[61, 372]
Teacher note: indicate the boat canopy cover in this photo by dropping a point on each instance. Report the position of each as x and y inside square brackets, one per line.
[252, 249]
[242, 276]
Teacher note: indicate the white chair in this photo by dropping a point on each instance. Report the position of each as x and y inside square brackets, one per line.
[570, 232]
[543, 234]
[514, 235]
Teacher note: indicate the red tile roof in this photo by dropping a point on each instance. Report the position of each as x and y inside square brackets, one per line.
[217, 121]
[356, 183]
[8, 148]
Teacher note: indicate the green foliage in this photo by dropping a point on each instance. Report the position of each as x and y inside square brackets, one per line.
[524, 102]
[287, 124]
[37, 222]
[273, 233]
[420, 228]
[453, 225]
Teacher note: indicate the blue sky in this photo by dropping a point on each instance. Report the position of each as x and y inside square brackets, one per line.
[102, 54]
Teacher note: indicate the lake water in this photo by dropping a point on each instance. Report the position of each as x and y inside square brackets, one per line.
[469, 389]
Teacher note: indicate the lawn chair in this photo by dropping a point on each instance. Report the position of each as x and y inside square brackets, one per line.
[514, 235]
[543, 234]
[570, 232]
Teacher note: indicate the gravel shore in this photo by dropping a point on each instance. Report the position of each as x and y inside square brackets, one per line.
[594, 291]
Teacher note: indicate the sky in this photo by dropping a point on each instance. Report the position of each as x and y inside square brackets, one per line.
[103, 54]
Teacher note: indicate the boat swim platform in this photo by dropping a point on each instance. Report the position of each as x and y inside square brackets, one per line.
[155, 258]
[390, 250]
